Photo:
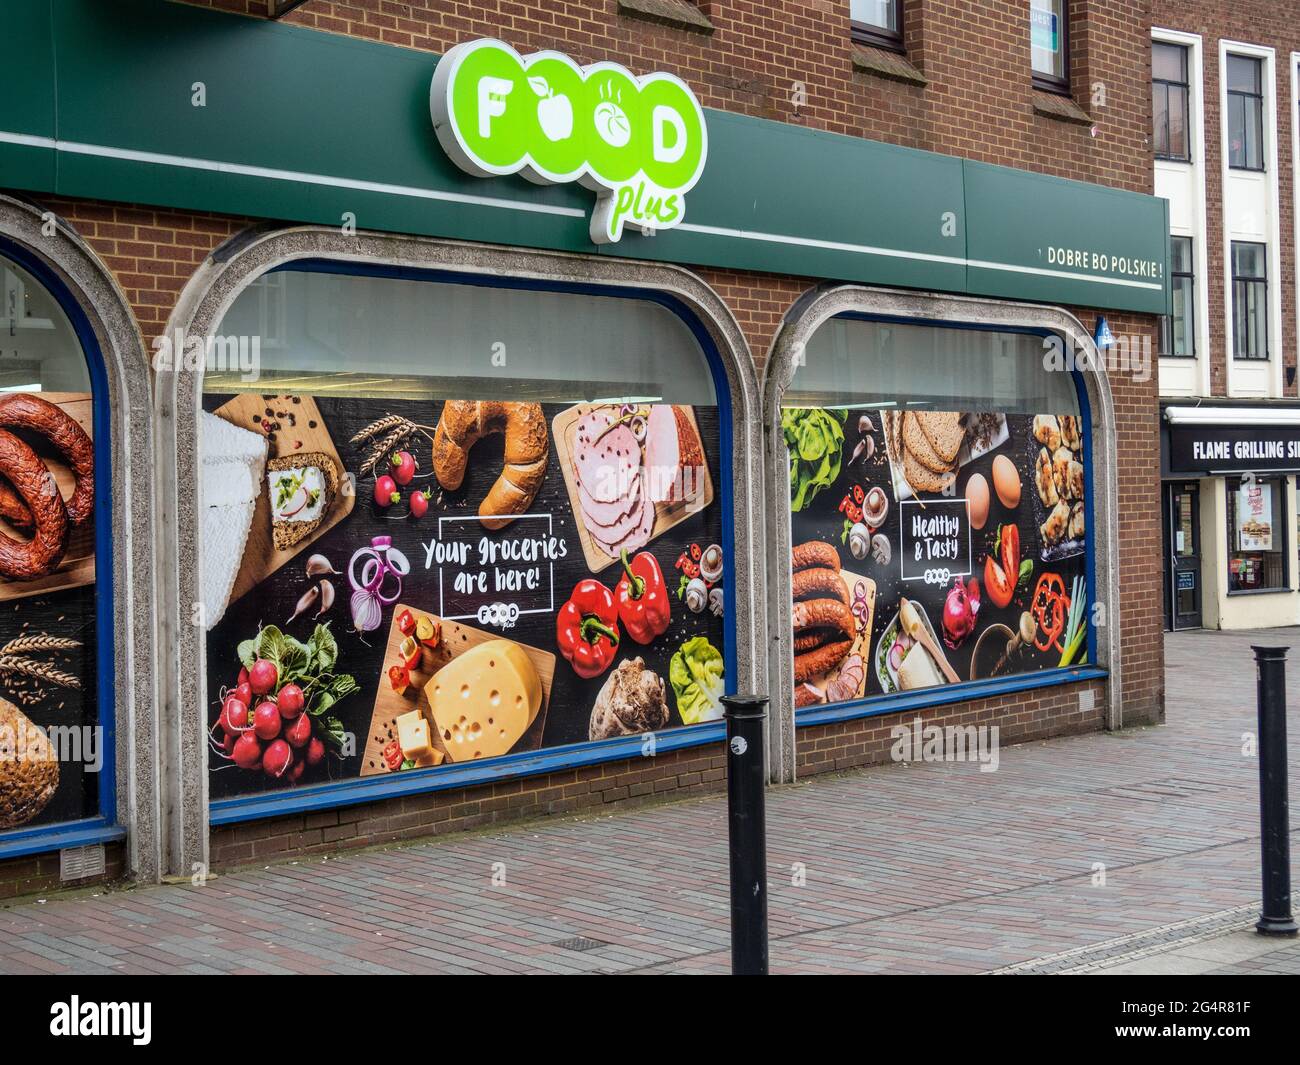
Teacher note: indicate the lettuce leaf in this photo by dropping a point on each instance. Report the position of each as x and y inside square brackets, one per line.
[696, 676]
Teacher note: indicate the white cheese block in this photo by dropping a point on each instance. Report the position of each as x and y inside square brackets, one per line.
[231, 464]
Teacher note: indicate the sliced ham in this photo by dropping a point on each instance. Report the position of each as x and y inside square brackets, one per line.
[612, 521]
[673, 455]
[606, 466]
[636, 539]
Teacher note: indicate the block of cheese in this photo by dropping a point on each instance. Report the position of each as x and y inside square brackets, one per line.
[918, 670]
[413, 737]
[484, 700]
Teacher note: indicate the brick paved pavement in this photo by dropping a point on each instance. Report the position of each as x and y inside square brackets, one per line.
[919, 868]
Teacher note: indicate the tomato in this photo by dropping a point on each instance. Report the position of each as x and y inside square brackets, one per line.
[996, 583]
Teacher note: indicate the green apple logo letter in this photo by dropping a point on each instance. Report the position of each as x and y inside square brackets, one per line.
[639, 143]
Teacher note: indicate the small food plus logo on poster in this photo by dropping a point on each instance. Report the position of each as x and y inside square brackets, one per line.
[638, 142]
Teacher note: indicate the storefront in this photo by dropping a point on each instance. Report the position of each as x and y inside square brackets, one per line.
[1230, 514]
[479, 495]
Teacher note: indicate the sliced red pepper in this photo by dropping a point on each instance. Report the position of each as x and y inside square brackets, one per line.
[406, 623]
[393, 756]
[400, 678]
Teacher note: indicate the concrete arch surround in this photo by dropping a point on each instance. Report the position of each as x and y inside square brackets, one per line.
[804, 318]
[136, 696]
[200, 309]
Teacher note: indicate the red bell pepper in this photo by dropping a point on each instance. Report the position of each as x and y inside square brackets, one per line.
[406, 623]
[643, 605]
[399, 677]
[586, 628]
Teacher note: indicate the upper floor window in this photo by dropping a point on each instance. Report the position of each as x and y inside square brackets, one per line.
[877, 22]
[1049, 44]
[1177, 335]
[1170, 106]
[1249, 300]
[1245, 113]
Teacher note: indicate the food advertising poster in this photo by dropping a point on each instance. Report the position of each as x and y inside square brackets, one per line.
[51, 742]
[933, 548]
[1255, 516]
[396, 586]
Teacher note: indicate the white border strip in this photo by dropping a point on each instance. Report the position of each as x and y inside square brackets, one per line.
[272, 174]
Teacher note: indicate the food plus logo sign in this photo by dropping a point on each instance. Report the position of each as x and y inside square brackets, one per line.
[638, 142]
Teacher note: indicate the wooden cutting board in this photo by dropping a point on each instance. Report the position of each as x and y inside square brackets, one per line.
[78, 565]
[261, 558]
[456, 639]
[861, 641]
[564, 429]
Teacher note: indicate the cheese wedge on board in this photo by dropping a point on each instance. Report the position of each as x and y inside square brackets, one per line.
[484, 700]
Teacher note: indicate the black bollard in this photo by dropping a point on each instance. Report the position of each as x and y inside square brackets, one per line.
[1270, 670]
[747, 831]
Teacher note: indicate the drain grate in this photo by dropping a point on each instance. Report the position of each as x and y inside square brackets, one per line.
[1159, 790]
[580, 944]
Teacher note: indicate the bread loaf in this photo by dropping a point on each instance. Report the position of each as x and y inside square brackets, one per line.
[464, 423]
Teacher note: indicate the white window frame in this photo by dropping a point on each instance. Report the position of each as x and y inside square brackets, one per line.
[1274, 235]
[1195, 46]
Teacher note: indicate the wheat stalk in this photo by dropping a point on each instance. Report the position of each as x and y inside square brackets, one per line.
[43, 642]
[383, 425]
[14, 664]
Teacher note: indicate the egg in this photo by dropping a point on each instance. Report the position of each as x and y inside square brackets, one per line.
[977, 500]
[1006, 482]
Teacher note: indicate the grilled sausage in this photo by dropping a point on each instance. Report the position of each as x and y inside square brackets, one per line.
[13, 509]
[34, 483]
[22, 410]
[814, 553]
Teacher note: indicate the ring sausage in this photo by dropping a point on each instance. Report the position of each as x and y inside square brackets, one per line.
[825, 613]
[819, 583]
[34, 483]
[13, 509]
[24, 411]
[814, 553]
[814, 663]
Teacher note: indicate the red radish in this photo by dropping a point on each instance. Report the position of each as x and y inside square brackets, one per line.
[243, 692]
[266, 720]
[419, 504]
[277, 759]
[299, 732]
[234, 715]
[247, 752]
[297, 502]
[263, 676]
[402, 467]
[228, 744]
[291, 701]
[295, 774]
[386, 493]
[315, 751]
[243, 676]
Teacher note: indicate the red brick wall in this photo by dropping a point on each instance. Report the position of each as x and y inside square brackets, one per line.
[978, 103]
[38, 874]
[1273, 24]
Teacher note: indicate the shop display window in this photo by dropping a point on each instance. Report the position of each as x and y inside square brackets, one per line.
[1257, 547]
[939, 509]
[449, 521]
[56, 763]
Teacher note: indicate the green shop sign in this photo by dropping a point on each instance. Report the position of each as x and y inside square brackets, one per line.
[638, 142]
[147, 101]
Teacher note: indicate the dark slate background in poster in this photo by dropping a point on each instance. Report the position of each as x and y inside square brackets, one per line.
[272, 602]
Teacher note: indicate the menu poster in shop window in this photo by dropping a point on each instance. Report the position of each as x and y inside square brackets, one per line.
[400, 586]
[933, 548]
[52, 745]
[1255, 517]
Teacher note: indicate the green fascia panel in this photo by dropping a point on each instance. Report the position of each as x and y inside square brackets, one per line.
[300, 125]
[1065, 241]
[27, 101]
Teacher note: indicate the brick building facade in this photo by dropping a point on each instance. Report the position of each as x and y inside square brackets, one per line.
[961, 87]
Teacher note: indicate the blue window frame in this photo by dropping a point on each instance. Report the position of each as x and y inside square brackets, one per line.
[101, 825]
[901, 701]
[522, 763]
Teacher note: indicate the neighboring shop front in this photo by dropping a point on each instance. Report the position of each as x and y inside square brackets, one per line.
[1232, 527]
[473, 502]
